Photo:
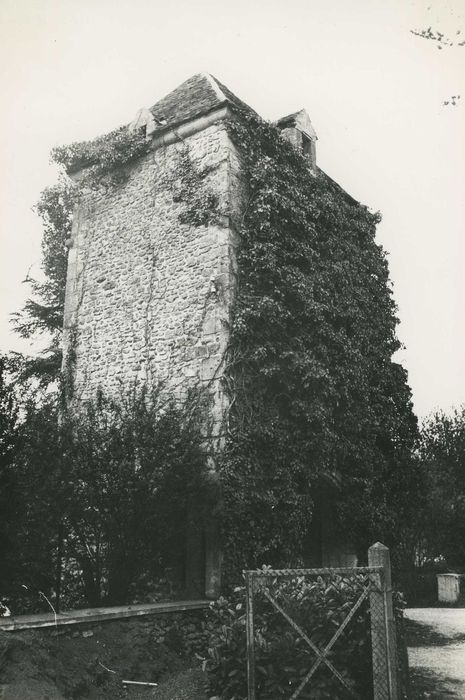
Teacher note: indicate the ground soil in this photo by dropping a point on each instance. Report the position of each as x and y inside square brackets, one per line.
[436, 649]
[92, 666]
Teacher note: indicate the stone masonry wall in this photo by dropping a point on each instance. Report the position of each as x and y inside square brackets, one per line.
[148, 298]
[189, 632]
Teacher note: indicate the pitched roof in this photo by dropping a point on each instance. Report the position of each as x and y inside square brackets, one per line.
[196, 96]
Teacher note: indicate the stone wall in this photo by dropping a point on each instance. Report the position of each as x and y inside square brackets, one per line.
[148, 298]
[189, 632]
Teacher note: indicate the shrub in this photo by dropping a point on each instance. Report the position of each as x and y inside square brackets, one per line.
[103, 498]
[282, 657]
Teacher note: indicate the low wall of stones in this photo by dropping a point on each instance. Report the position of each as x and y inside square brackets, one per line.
[183, 627]
[187, 633]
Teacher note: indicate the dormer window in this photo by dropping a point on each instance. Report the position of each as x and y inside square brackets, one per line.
[297, 128]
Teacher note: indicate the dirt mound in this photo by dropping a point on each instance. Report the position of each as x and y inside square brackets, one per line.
[90, 665]
[30, 690]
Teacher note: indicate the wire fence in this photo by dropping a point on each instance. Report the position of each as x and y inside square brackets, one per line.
[321, 632]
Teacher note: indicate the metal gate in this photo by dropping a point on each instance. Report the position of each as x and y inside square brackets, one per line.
[280, 592]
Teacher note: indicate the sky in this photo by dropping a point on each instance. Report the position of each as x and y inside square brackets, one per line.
[74, 69]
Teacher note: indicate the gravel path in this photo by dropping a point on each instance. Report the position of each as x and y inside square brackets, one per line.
[437, 649]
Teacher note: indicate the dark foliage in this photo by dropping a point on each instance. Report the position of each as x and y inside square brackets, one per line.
[442, 454]
[102, 498]
[9, 417]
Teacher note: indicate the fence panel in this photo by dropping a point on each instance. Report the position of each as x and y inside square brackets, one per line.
[317, 623]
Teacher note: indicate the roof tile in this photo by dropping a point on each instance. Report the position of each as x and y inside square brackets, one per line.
[196, 96]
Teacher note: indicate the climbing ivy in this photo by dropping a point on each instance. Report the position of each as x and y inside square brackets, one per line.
[104, 162]
[103, 158]
[188, 184]
[313, 388]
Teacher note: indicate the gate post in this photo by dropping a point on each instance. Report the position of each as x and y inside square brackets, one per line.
[383, 632]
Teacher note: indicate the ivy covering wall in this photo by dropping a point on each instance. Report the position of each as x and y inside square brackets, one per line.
[314, 390]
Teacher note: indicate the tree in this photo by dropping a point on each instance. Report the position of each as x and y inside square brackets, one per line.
[442, 41]
[43, 312]
[9, 417]
[8, 407]
[442, 453]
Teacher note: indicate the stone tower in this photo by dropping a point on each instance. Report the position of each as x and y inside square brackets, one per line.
[148, 296]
